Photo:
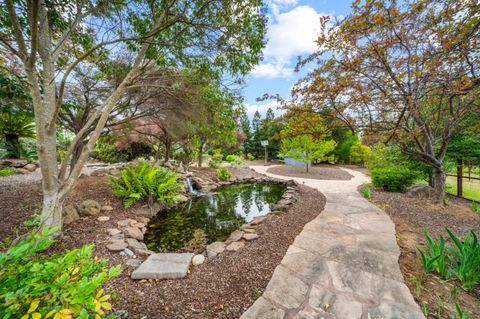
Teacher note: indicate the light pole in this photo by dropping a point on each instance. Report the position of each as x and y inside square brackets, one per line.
[265, 144]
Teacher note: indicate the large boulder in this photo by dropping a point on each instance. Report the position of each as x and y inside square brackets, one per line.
[30, 167]
[89, 207]
[420, 190]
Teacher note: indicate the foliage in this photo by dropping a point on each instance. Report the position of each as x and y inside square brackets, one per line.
[464, 259]
[108, 153]
[250, 157]
[59, 286]
[198, 243]
[143, 181]
[304, 138]
[16, 124]
[138, 149]
[475, 207]
[234, 160]
[366, 192]
[345, 139]
[461, 314]
[393, 178]
[359, 153]
[7, 171]
[223, 174]
[433, 256]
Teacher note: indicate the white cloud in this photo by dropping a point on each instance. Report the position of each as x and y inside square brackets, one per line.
[250, 109]
[290, 34]
[271, 70]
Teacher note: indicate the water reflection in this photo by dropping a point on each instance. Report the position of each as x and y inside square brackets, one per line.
[216, 214]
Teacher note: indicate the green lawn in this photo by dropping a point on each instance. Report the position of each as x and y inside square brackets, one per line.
[471, 189]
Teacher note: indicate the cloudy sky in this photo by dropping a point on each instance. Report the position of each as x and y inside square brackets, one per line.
[292, 30]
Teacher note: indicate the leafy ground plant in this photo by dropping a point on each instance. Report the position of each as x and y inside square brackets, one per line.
[366, 192]
[223, 174]
[63, 286]
[464, 258]
[434, 257]
[7, 171]
[145, 181]
[475, 207]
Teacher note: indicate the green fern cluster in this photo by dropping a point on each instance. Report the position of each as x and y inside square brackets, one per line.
[143, 181]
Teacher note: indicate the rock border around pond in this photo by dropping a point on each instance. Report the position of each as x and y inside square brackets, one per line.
[129, 238]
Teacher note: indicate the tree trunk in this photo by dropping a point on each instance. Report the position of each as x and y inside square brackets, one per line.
[76, 153]
[438, 180]
[52, 209]
[168, 149]
[200, 155]
[12, 144]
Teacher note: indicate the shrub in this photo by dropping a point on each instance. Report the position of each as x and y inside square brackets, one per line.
[475, 207]
[138, 149]
[142, 181]
[7, 171]
[234, 159]
[393, 179]
[366, 192]
[68, 285]
[108, 153]
[223, 174]
[359, 153]
[250, 157]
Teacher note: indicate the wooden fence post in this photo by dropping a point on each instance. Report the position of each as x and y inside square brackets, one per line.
[460, 178]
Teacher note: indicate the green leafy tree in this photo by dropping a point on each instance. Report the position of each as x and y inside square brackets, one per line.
[305, 137]
[359, 153]
[52, 39]
[244, 125]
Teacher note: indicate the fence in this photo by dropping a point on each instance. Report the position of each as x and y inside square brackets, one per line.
[466, 181]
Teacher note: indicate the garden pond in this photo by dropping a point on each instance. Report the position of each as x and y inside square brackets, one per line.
[217, 214]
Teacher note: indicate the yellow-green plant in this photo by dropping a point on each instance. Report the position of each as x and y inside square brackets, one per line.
[7, 171]
[223, 174]
[34, 285]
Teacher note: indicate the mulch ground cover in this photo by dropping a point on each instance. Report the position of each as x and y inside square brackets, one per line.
[411, 216]
[314, 172]
[220, 288]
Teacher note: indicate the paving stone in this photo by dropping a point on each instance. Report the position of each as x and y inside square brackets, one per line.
[164, 266]
[308, 266]
[234, 236]
[394, 310]
[286, 289]
[310, 313]
[263, 309]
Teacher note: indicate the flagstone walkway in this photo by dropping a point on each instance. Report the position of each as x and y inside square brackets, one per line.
[343, 265]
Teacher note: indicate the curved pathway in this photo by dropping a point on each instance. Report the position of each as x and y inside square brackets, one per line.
[343, 265]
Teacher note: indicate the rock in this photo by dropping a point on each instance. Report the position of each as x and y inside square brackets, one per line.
[103, 219]
[134, 232]
[100, 172]
[291, 182]
[113, 231]
[17, 163]
[21, 171]
[182, 198]
[164, 266]
[249, 237]
[89, 207]
[249, 230]
[198, 260]
[258, 220]
[128, 252]
[235, 246]
[117, 245]
[70, 214]
[125, 222]
[235, 236]
[106, 208]
[419, 190]
[247, 226]
[30, 167]
[137, 247]
[144, 220]
[134, 263]
[215, 248]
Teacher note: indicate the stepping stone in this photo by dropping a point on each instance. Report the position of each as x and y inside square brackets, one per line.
[113, 231]
[235, 236]
[164, 266]
[134, 232]
[103, 219]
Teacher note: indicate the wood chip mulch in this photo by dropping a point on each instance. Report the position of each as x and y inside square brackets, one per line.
[411, 216]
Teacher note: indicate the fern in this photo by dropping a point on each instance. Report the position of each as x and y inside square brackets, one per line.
[143, 181]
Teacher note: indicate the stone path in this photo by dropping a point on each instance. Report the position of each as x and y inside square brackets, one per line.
[343, 265]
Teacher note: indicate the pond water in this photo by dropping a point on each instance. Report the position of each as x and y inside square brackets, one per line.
[217, 214]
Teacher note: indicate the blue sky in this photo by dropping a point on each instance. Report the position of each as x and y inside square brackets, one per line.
[292, 29]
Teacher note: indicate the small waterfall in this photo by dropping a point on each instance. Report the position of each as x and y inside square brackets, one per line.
[190, 185]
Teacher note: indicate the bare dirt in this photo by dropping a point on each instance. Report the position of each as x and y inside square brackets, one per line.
[221, 288]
